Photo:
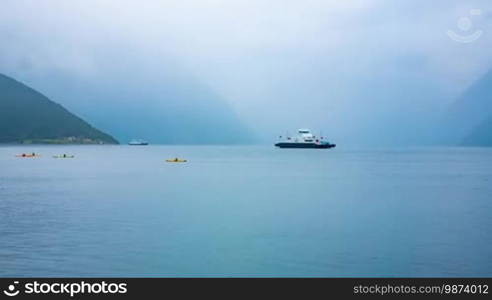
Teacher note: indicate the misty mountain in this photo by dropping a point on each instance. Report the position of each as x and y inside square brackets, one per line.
[481, 135]
[27, 116]
[161, 106]
[468, 120]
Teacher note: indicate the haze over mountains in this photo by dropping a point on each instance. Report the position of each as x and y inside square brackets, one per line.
[364, 72]
[172, 108]
[468, 121]
[164, 110]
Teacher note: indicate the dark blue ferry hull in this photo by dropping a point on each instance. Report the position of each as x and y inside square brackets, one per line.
[305, 145]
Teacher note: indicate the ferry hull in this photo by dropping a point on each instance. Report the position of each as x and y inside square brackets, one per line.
[305, 145]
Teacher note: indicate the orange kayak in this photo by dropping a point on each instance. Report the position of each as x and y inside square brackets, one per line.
[27, 155]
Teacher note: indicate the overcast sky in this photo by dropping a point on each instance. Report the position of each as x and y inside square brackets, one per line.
[359, 70]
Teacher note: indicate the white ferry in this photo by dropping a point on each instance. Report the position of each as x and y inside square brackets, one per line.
[304, 139]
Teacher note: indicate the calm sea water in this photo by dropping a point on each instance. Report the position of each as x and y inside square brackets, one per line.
[245, 211]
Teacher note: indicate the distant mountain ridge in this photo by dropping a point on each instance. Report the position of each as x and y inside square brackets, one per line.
[469, 120]
[27, 116]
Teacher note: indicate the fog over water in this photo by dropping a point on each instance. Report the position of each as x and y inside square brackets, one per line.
[363, 72]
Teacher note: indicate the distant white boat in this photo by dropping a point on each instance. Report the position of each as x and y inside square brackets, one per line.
[138, 143]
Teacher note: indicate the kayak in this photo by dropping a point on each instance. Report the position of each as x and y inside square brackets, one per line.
[27, 155]
[176, 160]
[62, 156]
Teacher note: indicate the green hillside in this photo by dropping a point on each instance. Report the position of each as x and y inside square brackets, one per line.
[27, 116]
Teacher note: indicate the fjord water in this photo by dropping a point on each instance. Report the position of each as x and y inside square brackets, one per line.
[245, 211]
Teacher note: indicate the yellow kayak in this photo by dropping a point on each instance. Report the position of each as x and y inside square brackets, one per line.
[176, 160]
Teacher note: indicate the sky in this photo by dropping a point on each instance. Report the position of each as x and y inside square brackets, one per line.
[361, 71]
